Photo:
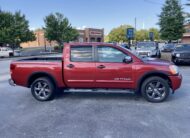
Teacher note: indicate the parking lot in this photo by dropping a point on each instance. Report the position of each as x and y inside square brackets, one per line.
[92, 114]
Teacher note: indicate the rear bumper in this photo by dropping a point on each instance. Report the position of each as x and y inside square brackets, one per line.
[176, 81]
[11, 82]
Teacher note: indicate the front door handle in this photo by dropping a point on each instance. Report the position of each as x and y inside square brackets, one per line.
[70, 66]
[101, 67]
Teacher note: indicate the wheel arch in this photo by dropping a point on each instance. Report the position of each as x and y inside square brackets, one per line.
[37, 75]
[161, 74]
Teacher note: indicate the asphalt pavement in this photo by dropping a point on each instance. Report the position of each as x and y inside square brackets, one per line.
[92, 115]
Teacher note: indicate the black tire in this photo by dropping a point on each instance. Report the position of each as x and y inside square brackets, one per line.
[155, 89]
[43, 89]
[159, 55]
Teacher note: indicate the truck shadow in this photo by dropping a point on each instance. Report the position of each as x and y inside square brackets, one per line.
[100, 96]
[109, 96]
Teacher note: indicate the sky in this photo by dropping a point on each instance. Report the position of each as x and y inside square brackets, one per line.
[105, 14]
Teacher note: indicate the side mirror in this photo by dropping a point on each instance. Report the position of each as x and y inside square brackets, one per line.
[127, 59]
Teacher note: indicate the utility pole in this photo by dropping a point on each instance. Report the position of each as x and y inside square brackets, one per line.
[135, 24]
[135, 29]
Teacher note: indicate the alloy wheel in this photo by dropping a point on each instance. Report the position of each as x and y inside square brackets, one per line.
[42, 90]
[155, 90]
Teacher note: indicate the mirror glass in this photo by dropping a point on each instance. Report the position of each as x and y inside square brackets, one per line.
[127, 59]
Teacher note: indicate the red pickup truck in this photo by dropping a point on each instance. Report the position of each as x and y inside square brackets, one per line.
[96, 67]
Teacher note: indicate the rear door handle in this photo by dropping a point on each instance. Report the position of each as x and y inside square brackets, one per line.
[101, 67]
[70, 66]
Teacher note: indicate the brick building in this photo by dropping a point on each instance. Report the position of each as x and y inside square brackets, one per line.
[86, 35]
[186, 35]
[91, 35]
[39, 42]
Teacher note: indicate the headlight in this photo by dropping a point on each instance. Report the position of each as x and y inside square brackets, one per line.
[177, 55]
[174, 69]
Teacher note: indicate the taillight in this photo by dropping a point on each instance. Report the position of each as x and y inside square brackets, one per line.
[12, 66]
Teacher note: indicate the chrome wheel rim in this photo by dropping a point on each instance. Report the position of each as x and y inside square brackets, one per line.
[42, 90]
[156, 90]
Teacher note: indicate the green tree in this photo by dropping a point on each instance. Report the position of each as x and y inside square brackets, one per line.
[21, 29]
[57, 28]
[14, 28]
[106, 38]
[6, 27]
[141, 35]
[119, 34]
[156, 33]
[171, 20]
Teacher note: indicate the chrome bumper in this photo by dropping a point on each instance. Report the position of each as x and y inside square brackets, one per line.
[11, 82]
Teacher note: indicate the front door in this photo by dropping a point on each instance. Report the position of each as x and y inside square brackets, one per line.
[79, 67]
[111, 71]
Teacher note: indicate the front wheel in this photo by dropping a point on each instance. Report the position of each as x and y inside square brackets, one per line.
[155, 89]
[43, 89]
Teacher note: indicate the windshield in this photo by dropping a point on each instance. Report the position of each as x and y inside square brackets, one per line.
[146, 45]
[183, 47]
[169, 46]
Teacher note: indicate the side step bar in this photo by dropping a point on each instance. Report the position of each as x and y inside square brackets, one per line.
[101, 90]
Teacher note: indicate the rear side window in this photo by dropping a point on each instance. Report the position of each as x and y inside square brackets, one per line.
[110, 54]
[81, 54]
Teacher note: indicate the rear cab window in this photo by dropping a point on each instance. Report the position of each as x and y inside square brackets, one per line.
[82, 54]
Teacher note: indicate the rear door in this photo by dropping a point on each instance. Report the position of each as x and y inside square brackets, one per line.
[79, 67]
[111, 71]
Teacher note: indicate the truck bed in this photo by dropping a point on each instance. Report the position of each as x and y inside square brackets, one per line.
[41, 59]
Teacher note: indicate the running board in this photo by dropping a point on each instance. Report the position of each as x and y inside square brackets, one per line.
[101, 90]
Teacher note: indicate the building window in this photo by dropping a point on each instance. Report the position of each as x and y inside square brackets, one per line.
[99, 40]
[92, 39]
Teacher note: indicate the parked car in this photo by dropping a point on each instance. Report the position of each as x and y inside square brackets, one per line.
[148, 49]
[168, 47]
[125, 46]
[96, 67]
[17, 52]
[8, 52]
[181, 54]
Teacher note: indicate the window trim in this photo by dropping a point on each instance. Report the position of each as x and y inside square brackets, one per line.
[78, 46]
[96, 53]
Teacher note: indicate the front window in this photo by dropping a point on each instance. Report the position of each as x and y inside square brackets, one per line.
[110, 54]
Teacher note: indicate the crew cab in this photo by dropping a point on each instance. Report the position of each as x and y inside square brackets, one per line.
[96, 67]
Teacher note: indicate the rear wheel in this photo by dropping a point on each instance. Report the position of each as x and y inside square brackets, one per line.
[43, 89]
[159, 55]
[155, 89]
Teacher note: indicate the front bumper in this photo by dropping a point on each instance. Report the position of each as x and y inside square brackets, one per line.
[183, 60]
[176, 81]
